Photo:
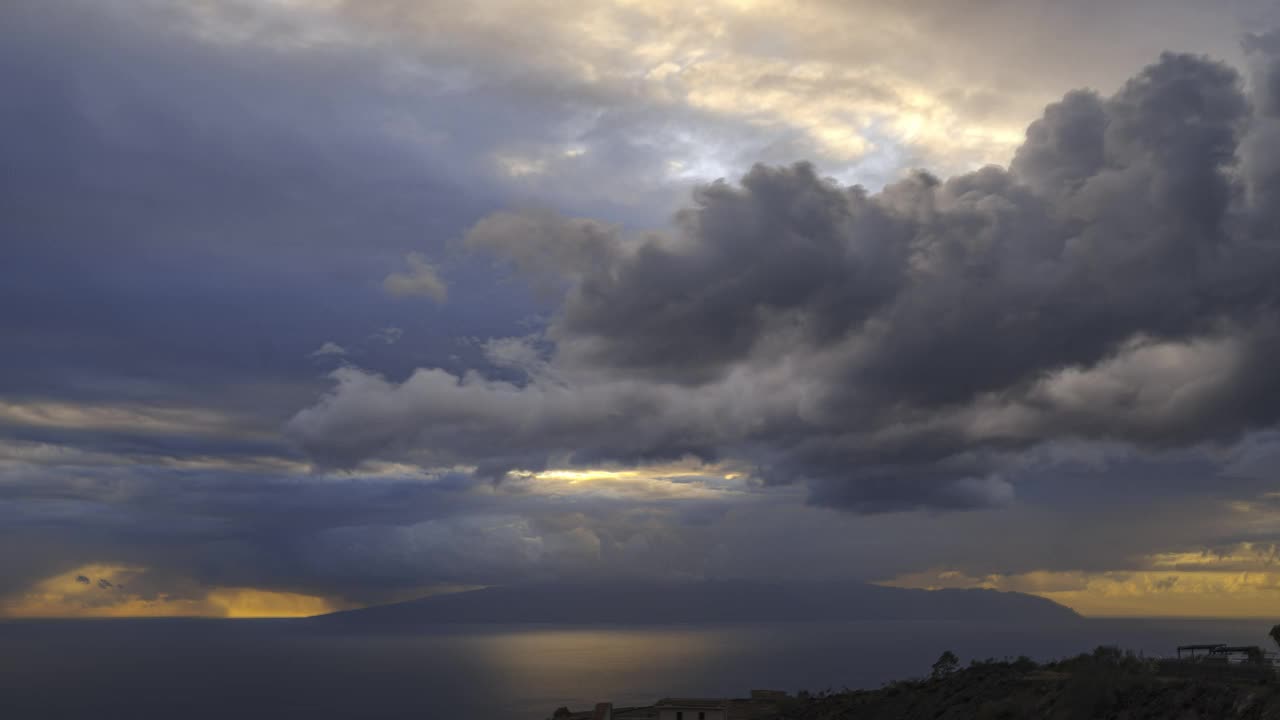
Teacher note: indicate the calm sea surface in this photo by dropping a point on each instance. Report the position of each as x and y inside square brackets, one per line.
[280, 669]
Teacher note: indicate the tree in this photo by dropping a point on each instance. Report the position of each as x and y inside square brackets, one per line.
[947, 664]
[1275, 633]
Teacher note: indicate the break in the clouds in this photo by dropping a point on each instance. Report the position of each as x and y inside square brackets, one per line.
[897, 348]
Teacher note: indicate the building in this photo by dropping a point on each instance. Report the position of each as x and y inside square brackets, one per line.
[1223, 653]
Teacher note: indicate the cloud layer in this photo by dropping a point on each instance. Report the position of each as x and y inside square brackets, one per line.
[893, 349]
[207, 206]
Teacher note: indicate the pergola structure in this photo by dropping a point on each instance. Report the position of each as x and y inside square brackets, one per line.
[1191, 650]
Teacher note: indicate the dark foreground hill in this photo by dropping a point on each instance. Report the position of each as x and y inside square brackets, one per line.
[623, 603]
[1104, 685]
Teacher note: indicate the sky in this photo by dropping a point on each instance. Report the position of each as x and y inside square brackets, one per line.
[312, 304]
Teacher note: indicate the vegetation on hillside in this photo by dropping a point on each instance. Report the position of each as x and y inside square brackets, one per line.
[1106, 684]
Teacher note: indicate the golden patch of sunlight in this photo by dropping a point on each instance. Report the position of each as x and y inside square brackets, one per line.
[670, 481]
[1157, 592]
[1183, 594]
[251, 603]
[683, 469]
[529, 658]
[102, 590]
[94, 590]
[1244, 556]
[579, 476]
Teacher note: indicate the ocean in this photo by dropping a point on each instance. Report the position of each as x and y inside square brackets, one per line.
[190, 669]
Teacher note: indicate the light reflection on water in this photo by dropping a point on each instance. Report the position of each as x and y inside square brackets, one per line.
[635, 666]
[278, 670]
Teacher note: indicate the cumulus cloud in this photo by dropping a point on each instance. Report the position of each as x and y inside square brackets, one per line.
[893, 349]
[422, 279]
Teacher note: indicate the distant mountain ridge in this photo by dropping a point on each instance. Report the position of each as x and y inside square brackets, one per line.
[707, 602]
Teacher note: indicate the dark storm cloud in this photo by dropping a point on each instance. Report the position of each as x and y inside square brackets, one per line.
[360, 537]
[187, 216]
[198, 528]
[202, 204]
[900, 348]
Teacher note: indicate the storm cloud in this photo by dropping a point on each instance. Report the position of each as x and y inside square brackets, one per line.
[321, 304]
[899, 348]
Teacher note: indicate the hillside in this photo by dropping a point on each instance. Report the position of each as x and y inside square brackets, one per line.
[704, 602]
[1104, 685]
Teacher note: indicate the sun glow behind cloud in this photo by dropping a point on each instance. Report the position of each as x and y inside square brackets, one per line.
[669, 482]
[775, 69]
